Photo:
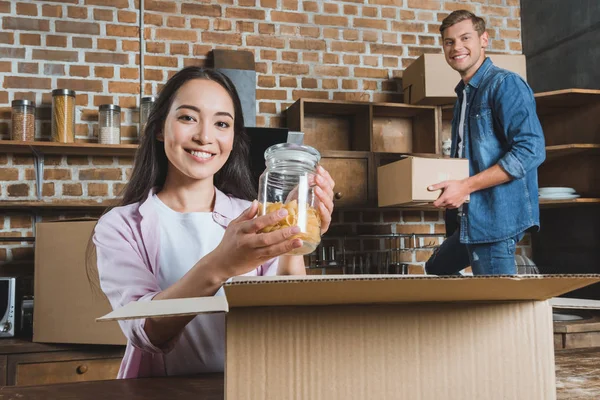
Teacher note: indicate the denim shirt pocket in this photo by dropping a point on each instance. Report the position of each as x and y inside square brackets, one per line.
[481, 123]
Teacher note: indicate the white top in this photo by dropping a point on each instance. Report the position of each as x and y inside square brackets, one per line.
[184, 239]
[461, 124]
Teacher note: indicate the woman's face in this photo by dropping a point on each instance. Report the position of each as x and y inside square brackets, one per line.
[198, 131]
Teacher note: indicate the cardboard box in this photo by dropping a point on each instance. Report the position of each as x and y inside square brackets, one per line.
[383, 337]
[65, 305]
[429, 80]
[405, 182]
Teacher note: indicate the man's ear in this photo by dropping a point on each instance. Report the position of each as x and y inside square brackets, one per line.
[484, 39]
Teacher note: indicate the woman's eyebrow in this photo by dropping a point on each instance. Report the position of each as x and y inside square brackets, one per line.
[189, 107]
[224, 113]
[193, 108]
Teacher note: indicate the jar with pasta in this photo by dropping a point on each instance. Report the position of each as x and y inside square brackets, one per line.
[289, 182]
[63, 115]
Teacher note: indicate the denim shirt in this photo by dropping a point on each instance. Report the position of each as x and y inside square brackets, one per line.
[501, 127]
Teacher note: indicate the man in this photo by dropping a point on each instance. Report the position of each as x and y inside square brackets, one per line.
[495, 126]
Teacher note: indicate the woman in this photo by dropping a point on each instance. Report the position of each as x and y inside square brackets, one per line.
[186, 225]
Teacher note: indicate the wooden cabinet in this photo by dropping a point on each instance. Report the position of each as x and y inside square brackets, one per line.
[570, 119]
[352, 135]
[569, 236]
[351, 173]
[31, 369]
[23, 363]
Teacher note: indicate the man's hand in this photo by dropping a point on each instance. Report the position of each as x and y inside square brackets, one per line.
[454, 193]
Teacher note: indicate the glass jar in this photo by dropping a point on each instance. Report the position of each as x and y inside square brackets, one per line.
[63, 115]
[288, 182]
[109, 124]
[146, 105]
[23, 120]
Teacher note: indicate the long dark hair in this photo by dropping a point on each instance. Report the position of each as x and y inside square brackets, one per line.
[150, 164]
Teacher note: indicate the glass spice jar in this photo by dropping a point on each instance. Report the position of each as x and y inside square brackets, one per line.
[23, 120]
[288, 182]
[109, 123]
[146, 105]
[63, 115]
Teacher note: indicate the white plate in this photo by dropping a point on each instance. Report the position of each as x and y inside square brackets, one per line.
[559, 196]
[556, 190]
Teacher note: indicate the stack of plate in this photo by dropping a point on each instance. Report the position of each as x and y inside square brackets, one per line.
[557, 193]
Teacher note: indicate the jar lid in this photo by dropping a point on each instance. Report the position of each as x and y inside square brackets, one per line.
[27, 103]
[291, 151]
[110, 107]
[148, 99]
[63, 92]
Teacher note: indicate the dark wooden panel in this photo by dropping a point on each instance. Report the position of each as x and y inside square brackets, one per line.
[550, 102]
[294, 116]
[572, 125]
[579, 171]
[45, 373]
[391, 134]
[200, 387]
[3, 362]
[233, 59]
[25, 345]
[351, 179]
[425, 133]
[91, 149]
[53, 367]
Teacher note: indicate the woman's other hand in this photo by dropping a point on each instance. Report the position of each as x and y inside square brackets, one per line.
[324, 191]
[243, 248]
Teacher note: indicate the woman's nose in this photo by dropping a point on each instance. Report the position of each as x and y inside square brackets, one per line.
[204, 134]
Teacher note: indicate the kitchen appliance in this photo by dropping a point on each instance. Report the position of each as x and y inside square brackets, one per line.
[11, 307]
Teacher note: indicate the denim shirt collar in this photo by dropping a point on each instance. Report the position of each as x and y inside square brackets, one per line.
[477, 78]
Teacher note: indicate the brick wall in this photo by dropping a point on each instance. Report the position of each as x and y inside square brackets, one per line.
[323, 49]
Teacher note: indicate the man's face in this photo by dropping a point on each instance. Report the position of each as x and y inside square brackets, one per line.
[464, 48]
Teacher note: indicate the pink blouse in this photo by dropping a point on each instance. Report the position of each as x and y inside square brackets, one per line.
[127, 248]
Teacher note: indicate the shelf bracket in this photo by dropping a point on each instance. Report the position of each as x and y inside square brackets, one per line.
[39, 170]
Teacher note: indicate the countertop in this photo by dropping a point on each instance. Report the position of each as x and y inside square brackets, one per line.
[577, 377]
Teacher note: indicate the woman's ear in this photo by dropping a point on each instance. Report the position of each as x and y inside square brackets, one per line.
[160, 137]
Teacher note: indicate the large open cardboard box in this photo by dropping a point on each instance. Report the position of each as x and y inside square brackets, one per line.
[66, 303]
[383, 337]
[405, 182]
[429, 80]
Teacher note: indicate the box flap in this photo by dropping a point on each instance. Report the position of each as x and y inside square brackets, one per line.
[575, 304]
[168, 308]
[369, 289]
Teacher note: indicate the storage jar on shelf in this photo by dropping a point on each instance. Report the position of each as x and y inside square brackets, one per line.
[289, 182]
[109, 124]
[63, 115]
[23, 120]
[146, 105]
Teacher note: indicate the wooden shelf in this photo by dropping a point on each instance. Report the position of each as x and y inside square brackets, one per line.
[563, 150]
[344, 154]
[83, 149]
[549, 102]
[84, 205]
[546, 203]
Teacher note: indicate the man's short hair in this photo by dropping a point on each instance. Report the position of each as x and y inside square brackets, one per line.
[461, 15]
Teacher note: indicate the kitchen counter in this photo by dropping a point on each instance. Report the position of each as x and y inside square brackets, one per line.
[577, 373]
[203, 387]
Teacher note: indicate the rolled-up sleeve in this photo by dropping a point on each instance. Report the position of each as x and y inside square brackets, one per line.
[515, 112]
[125, 276]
